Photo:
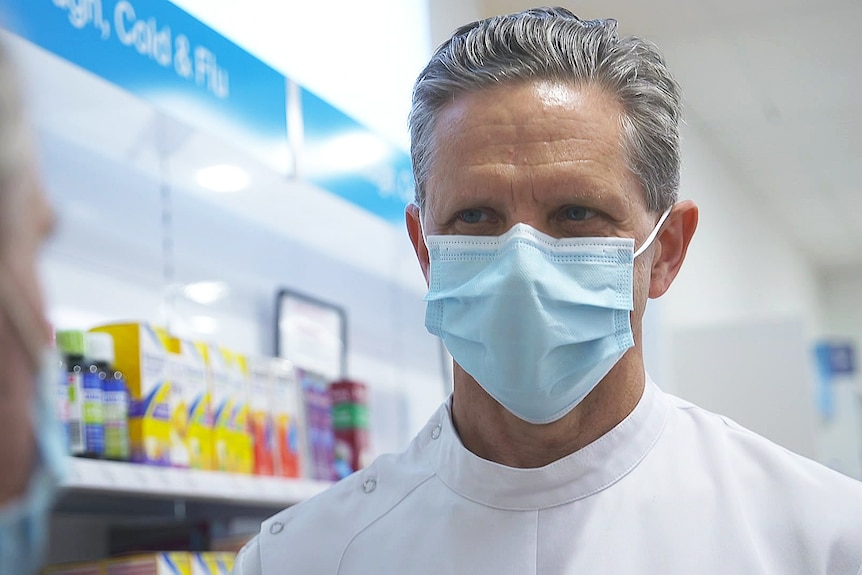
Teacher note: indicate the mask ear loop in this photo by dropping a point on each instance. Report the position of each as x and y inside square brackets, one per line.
[654, 233]
[422, 225]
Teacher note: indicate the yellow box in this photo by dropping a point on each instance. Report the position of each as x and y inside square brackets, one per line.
[142, 357]
[199, 411]
[83, 568]
[177, 400]
[212, 563]
[173, 563]
[241, 438]
[222, 401]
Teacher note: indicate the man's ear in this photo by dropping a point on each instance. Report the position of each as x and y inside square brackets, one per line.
[673, 241]
[414, 229]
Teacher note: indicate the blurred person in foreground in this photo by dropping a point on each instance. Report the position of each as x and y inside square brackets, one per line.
[546, 158]
[32, 447]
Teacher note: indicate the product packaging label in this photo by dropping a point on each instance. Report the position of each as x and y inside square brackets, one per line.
[142, 357]
[174, 563]
[75, 388]
[261, 421]
[222, 408]
[318, 413]
[197, 400]
[179, 406]
[93, 414]
[116, 412]
[287, 419]
[212, 563]
[240, 434]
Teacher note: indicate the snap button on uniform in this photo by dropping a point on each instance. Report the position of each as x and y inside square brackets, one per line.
[369, 485]
[276, 527]
[435, 433]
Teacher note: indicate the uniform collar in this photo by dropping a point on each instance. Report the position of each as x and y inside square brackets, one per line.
[581, 474]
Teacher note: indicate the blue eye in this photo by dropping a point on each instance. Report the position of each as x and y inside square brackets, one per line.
[471, 216]
[578, 213]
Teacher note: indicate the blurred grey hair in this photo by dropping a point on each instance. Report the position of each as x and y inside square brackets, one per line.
[554, 44]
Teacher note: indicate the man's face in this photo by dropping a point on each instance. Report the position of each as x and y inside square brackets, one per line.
[25, 220]
[542, 153]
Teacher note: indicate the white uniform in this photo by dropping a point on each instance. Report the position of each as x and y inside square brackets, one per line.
[673, 489]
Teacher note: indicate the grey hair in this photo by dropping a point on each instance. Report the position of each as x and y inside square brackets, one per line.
[554, 44]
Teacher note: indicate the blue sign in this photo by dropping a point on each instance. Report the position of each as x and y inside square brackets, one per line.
[155, 50]
[836, 358]
[346, 158]
[832, 360]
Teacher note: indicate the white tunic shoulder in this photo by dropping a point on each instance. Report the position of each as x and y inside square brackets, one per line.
[672, 489]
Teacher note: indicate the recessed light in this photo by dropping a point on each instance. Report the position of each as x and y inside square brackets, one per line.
[205, 292]
[223, 178]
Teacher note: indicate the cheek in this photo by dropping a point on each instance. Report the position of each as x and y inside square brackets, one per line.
[640, 294]
[641, 278]
[17, 449]
[16, 379]
[25, 275]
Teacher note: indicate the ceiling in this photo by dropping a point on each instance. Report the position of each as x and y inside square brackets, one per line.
[774, 86]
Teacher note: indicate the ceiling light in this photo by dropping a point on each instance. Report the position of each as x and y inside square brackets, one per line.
[223, 178]
[205, 292]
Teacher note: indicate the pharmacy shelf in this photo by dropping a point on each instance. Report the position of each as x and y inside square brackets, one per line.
[106, 482]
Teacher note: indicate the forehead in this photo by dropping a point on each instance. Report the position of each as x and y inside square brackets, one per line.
[543, 133]
[530, 115]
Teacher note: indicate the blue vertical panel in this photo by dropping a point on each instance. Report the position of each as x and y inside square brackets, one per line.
[157, 51]
[833, 360]
[345, 158]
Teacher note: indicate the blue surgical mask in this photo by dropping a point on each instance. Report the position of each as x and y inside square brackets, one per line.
[537, 321]
[24, 522]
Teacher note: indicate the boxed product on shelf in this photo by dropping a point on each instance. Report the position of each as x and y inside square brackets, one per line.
[212, 563]
[166, 563]
[222, 406]
[350, 425]
[228, 389]
[177, 400]
[241, 440]
[142, 356]
[287, 414]
[318, 423]
[196, 403]
[78, 568]
[260, 415]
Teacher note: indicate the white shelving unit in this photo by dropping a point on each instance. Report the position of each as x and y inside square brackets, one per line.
[98, 496]
[108, 478]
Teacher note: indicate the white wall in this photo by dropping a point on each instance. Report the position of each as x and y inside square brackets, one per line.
[741, 264]
[842, 304]
[742, 276]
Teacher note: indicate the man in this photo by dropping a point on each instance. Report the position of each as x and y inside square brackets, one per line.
[32, 449]
[546, 159]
